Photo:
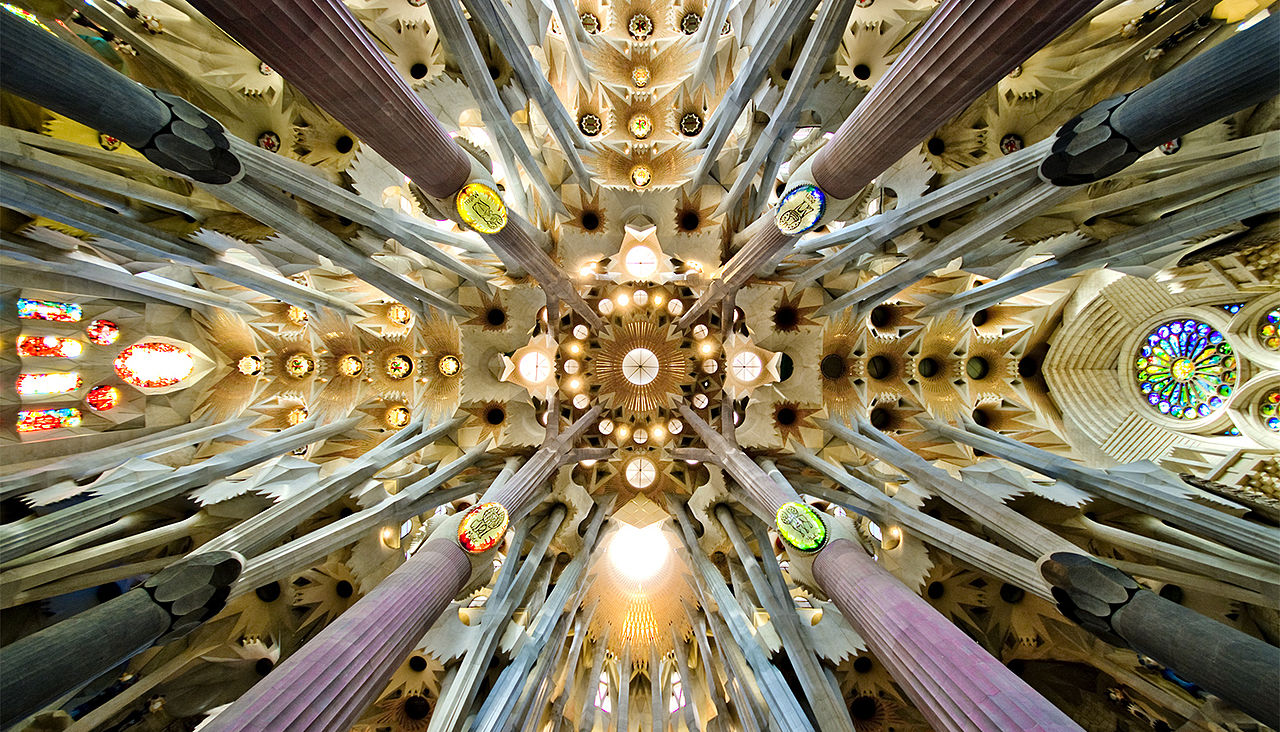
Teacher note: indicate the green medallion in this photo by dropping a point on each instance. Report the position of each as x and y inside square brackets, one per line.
[801, 526]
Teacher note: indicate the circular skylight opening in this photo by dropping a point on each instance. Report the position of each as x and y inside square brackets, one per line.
[640, 366]
[641, 473]
[535, 367]
[746, 366]
[641, 262]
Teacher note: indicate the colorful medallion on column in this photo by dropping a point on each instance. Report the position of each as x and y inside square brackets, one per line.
[801, 526]
[481, 208]
[800, 209]
[483, 527]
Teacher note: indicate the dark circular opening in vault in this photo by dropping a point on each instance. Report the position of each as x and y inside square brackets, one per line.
[268, 592]
[344, 589]
[864, 707]
[928, 367]
[590, 220]
[936, 146]
[881, 315]
[263, 666]
[495, 316]
[833, 366]
[344, 144]
[495, 415]
[417, 663]
[417, 707]
[862, 72]
[689, 221]
[880, 418]
[786, 416]
[977, 368]
[418, 71]
[879, 367]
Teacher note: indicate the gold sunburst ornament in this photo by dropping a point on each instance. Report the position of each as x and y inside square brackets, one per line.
[449, 365]
[481, 208]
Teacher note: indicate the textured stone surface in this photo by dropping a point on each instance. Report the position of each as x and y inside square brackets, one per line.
[329, 682]
[194, 589]
[1216, 657]
[954, 683]
[166, 129]
[1088, 147]
[320, 47]
[961, 51]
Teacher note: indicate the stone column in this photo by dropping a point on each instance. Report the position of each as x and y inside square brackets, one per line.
[329, 682]
[1105, 139]
[954, 683]
[167, 130]
[320, 47]
[1220, 659]
[42, 667]
[961, 51]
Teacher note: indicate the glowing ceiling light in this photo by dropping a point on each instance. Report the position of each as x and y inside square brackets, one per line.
[641, 472]
[639, 554]
[535, 367]
[641, 262]
[640, 366]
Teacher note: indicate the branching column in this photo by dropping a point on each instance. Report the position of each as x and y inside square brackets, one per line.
[961, 51]
[1237, 667]
[322, 49]
[167, 130]
[40, 668]
[954, 682]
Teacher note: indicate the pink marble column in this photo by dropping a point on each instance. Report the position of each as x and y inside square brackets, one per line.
[961, 51]
[329, 683]
[953, 681]
[322, 50]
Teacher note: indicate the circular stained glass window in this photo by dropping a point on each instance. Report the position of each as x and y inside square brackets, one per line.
[689, 23]
[1185, 369]
[154, 365]
[398, 367]
[399, 314]
[590, 23]
[1269, 408]
[101, 398]
[641, 126]
[1268, 331]
[641, 176]
[398, 416]
[299, 365]
[249, 365]
[640, 26]
[350, 365]
[102, 332]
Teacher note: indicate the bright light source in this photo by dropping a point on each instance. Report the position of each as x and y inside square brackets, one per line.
[641, 262]
[639, 554]
[535, 367]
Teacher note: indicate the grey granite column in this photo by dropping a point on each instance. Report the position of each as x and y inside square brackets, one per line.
[1220, 659]
[1237, 73]
[42, 667]
[167, 130]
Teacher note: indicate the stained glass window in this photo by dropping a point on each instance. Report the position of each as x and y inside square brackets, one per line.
[1232, 307]
[1267, 330]
[62, 312]
[154, 365]
[102, 332]
[1270, 410]
[33, 346]
[35, 420]
[52, 383]
[101, 398]
[1186, 369]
